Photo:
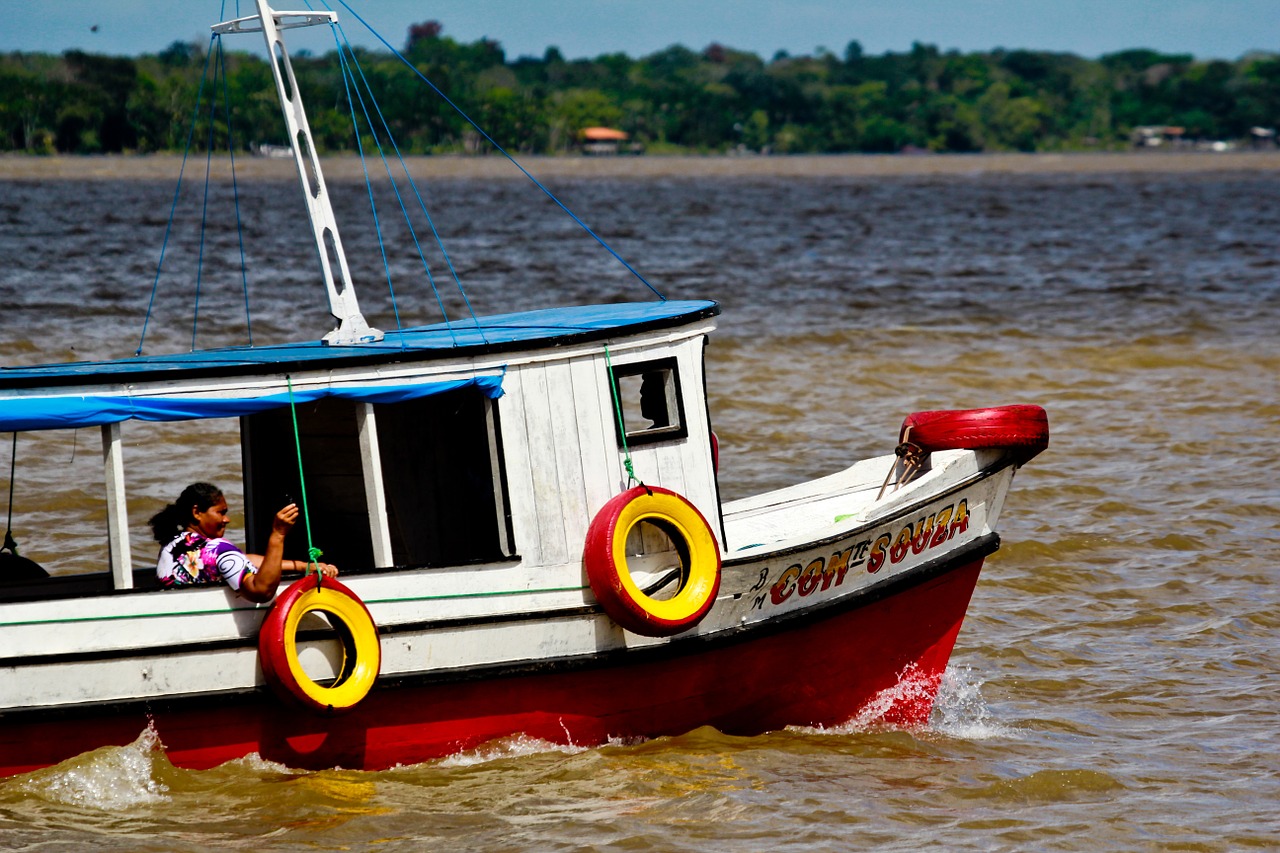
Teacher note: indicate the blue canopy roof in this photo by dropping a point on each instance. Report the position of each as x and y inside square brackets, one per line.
[498, 333]
[25, 411]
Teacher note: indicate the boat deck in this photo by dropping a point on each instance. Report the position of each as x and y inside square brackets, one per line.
[828, 505]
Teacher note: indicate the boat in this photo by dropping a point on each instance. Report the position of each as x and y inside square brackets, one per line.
[532, 541]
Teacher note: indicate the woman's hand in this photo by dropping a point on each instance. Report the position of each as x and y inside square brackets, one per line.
[285, 519]
[261, 585]
[329, 570]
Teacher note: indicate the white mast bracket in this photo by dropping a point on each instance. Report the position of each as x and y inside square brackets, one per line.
[352, 328]
[253, 24]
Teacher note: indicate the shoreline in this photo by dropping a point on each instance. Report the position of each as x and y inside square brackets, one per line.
[348, 167]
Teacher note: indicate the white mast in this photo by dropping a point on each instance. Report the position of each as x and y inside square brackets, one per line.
[352, 328]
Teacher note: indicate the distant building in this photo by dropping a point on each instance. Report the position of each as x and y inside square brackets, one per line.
[1155, 136]
[274, 151]
[605, 140]
[1262, 137]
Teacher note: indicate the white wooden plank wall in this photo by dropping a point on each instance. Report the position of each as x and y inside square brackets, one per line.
[562, 455]
[547, 508]
[699, 476]
[571, 458]
[684, 467]
[515, 444]
[603, 473]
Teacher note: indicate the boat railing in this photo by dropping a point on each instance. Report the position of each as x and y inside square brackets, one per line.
[83, 585]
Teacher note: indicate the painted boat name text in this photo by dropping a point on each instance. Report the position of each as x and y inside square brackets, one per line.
[820, 574]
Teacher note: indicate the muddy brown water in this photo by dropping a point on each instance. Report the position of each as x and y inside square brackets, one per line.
[1114, 684]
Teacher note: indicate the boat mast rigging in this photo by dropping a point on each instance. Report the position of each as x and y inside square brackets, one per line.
[352, 328]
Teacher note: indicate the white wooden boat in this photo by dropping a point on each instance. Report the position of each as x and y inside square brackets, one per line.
[503, 572]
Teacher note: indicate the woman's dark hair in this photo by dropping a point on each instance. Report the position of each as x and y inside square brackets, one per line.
[173, 519]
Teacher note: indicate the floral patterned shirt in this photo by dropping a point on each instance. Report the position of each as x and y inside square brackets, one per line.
[192, 560]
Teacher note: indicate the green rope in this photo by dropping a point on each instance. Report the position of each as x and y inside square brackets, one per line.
[9, 544]
[622, 428]
[313, 553]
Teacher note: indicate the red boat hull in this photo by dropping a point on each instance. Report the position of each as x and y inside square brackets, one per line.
[821, 671]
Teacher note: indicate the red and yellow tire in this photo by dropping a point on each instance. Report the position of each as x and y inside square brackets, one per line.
[1023, 427]
[350, 619]
[605, 557]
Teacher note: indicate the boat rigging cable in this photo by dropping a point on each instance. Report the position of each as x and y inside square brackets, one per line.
[422, 205]
[221, 67]
[14, 566]
[204, 203]
[495, 144]
[235, 195]
[348, 61]
[9, 544]
[173, 208]
[373, 207]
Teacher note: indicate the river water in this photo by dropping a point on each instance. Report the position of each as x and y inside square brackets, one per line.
[1114, 686]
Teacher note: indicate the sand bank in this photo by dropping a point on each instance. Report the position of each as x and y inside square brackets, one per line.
[166, 166]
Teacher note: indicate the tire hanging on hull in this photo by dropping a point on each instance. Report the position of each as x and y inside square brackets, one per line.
[605, 557]
[355, 630]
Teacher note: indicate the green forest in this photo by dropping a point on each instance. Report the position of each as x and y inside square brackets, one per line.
[676, 100]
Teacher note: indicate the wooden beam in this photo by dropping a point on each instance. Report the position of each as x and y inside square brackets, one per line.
[375, 496]
[495, 471]
[117, 512]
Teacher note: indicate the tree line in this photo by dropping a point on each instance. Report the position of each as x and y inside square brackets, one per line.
[675, 100]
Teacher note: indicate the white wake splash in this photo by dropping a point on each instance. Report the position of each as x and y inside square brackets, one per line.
[112, 778]
[518, 746]
[961, 712]
[915, 689]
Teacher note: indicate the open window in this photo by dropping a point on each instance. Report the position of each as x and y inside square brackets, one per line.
[441, 472]
[335, 501]
[445, 482]
[651, 403]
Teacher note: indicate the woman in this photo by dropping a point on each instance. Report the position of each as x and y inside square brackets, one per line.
[194, 553]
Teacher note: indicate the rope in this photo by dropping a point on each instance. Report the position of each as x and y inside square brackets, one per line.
[354, 61]
[173, 208]
[204, 208]
[622, 429]
[910, 462]
[235, 190]
[313, 553]
[422, 205]
[9, 544]
[347, 80]
[503, 151]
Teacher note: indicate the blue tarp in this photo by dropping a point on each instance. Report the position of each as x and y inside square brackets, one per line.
[534, 329]
[31, 413]
[539, 329]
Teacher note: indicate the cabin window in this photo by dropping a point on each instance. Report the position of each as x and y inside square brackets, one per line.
[335, 501]
[648, 394]
[54, 515]
[441, 473]
[445, 482]
[59, 482]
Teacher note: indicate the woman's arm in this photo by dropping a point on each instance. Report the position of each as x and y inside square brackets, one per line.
[297, 567]
[260, 586]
